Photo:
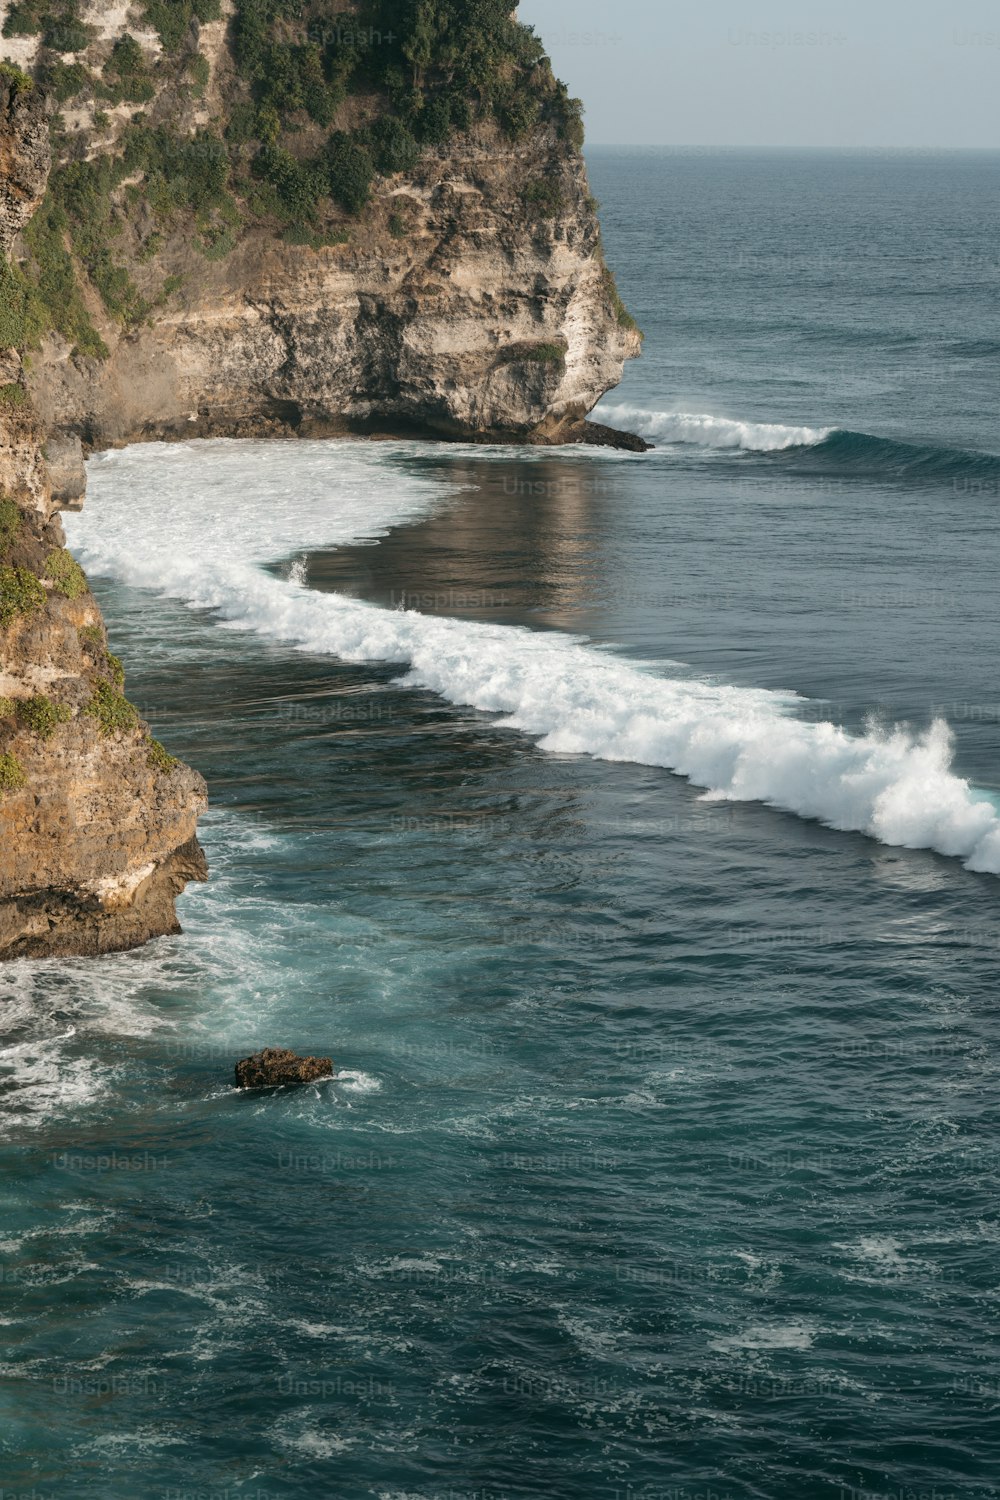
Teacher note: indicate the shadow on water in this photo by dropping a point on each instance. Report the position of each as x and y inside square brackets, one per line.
[522, 543]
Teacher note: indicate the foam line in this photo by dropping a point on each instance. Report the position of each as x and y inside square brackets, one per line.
[148, 525]
[710, 432]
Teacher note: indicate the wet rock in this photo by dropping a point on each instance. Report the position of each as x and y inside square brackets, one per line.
[276, 1066]
[597, 435]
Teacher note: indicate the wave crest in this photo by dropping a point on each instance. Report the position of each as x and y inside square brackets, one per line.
[148, 525]
[711, 432]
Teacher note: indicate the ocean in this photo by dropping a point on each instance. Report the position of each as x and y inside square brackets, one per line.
[627, 829]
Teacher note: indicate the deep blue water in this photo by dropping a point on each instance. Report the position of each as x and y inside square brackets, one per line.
[663, 1161]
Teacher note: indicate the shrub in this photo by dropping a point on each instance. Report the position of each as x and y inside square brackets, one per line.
[23, 19]
[350, 170]
[20, 594]
[13, 306]
[7, 708]
[299, 185]
[543, 197]
[172, 18]
[11, 521]
[64, 80]
[545, 354]
[621, 312]
[160, 759]
[113, 712]
[63, 31]
[519, 113]
[20, 82]
[397, 226]
[65, 572]
[12, 396]
[12, 777]
[393, 145]
[41, 715]
[129, 73]
[434, 122]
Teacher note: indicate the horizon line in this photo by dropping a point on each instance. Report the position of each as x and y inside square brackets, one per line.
[703, 146]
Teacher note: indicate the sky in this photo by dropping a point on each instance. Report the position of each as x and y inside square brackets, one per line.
[897, 73]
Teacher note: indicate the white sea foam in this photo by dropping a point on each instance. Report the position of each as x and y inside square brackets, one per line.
[769, 1336]
[710, 432]
[194, 522]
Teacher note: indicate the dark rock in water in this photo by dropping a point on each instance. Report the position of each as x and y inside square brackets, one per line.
[276, 1066]
[600, 436]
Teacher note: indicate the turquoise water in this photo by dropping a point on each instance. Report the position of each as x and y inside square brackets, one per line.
[562, 798]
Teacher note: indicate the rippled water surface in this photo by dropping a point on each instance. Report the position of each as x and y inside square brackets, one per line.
[625, 827]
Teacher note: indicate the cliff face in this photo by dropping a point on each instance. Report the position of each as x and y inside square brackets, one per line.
[262, 215]
[465, 293]
[477, 321]
[97, 822]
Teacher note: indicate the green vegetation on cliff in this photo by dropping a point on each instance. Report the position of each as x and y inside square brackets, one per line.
[11, 521]
[41, 715]
[65, 573]
[12, 777]
[112, 710]
[287, 146]
[20, 594]
[159, 758]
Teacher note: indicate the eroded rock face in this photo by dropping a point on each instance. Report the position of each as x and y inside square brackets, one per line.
[24, 158]
[97, 826]
[481, 319]
[97, 823]
[277, 1066]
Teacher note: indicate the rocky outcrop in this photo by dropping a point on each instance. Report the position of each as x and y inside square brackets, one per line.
[217, 254]
[97, 821]
[24, 155]
[468, 298]
[276, 1067]
[481, 321]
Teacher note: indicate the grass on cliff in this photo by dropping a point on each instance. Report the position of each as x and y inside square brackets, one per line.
[20, 82]
[12, 777]
[20, 594]
[159, 758]
[112, 710]
[41, 715]
[439, 65]
[63, 570]
[11, 521]
[13, 396]
[621, 312]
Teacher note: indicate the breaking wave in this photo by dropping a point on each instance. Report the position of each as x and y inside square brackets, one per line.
[196, 522]
[859, 454]
[711, 432]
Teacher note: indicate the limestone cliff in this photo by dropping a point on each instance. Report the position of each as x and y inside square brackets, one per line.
[262, 215]
[97, 821]
[465, 293]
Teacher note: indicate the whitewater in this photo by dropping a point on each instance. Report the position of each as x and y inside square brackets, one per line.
[199, 521]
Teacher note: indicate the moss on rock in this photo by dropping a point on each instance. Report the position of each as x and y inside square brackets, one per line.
[20, 594]
[12, 777]
[112, 710]
[65, 573]
[41, 715]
